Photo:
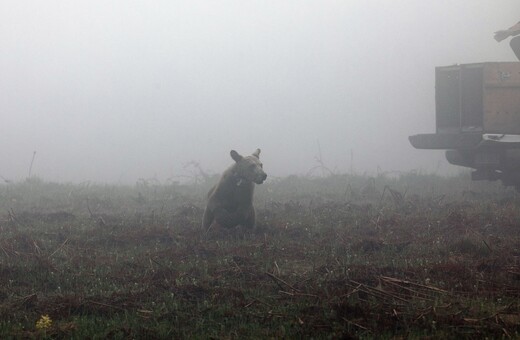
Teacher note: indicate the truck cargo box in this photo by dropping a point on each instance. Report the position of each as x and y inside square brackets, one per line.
[477, 114]
[482, 97]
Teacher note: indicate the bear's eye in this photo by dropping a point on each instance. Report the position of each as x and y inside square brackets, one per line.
[252, 166]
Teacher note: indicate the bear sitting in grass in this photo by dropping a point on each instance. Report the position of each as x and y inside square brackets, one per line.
[230, 202]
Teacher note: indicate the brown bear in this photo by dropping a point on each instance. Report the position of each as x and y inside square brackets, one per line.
[230, 202]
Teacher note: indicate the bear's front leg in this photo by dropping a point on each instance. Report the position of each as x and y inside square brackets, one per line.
[225, 218]
[207, 219]
[250, 219]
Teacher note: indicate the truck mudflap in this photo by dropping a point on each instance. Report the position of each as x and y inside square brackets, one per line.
[443, 141]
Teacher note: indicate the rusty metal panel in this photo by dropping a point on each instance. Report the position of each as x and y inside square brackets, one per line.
[447, 99]
[471, 109]
[483, 97]
[501, 100]
[458, 98]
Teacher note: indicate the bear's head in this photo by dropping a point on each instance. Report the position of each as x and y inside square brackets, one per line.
[249, 167]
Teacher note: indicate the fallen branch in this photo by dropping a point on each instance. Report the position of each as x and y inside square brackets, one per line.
[392, 279]
[105, 305]
[356, 324]
[298, 294]
[377, 292]
[57, 249]
[277, 280]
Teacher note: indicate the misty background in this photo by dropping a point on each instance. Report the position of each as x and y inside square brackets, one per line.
[114, 91]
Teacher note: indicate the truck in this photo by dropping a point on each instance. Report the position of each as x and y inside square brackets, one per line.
[477, 117]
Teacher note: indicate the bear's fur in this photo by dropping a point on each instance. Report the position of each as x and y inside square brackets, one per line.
[230, 202]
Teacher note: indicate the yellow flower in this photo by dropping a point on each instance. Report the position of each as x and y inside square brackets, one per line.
[44, 322]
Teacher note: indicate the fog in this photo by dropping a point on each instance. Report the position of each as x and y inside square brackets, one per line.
[114, 91]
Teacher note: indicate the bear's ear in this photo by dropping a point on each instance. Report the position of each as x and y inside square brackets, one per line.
[257, 153]
[235, 155]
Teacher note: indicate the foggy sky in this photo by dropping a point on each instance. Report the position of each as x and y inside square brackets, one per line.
[113, 91]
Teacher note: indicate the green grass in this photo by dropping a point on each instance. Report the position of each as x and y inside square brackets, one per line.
[335, 257]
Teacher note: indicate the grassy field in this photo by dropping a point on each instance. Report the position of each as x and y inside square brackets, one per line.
[403, 256]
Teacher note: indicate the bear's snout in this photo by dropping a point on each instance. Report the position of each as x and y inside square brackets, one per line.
[260, 179]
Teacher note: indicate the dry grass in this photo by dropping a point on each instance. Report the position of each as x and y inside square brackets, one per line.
[135, 264]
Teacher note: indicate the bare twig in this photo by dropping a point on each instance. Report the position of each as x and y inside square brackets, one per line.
[377, 292]
[105, 305]
[32, 161]
[57, 249]
[356, 324]
[278, 281]
[392, 279]
[298, 294]
[89, 211]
